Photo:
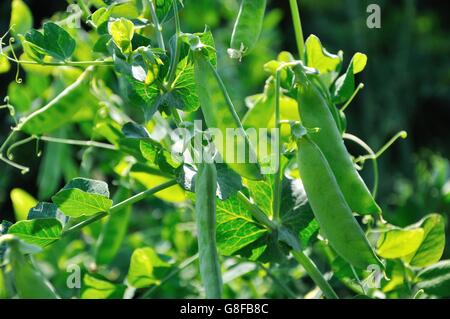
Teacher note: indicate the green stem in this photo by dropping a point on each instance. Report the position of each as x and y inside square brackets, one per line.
[371, 155]
[130, 201]
[276, 204]
[257, 213]
[315, 274]
[84, 9]
[77, 142]
[65, 63]
[179, 268]
[158, 28]
[360, 87]
[176, 57]
[298, 28]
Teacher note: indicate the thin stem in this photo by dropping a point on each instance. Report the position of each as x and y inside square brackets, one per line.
[259, 215]
[315, 274]
[65, 63]
[371, 155]
[158, 27]
[276, 204]
[298, 28]
[17, 144]
[77, 142]
[359, 88]
[179, 268]
[84, 8]
[176, 57]
[129, 201]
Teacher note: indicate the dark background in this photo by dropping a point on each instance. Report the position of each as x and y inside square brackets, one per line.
[406, 87]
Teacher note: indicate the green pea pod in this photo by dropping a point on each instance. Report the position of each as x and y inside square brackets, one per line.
[315, 113]
[205, 210]
[59, 110]
[219, 113]
[330, 208]
[247, 28]
[29, 283]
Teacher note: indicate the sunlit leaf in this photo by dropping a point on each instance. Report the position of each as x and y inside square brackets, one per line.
[22, 203]
[40, 232]
[146, 268]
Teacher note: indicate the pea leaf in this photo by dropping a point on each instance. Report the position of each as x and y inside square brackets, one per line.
[319, 58]
[40, 232]
[22, 203]
[345, 84]
[122, 32]
[146, 267]
[435, 279]
[83, 196]
[46, 210]
[262, 193]
[228, 182]
[54, 42]
[236, 227]
[398, 243]
[21, 18]
[433, 243]
[99, 288]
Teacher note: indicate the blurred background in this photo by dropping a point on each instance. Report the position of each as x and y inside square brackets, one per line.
[407, 82]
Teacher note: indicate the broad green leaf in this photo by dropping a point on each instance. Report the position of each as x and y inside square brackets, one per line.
[96, 288]
[113, 231]
[122, 31]
[21, 18]
[146, 268]
[83, 197]
[22, 203]
[40, 232]
[54, 41]
[47, 210]
[432, 246]
[228, 182]
[5, 66]
[319, 58]
[345, 85]
[435, 280]
[397, 243]
[236, 227]
[262, 193]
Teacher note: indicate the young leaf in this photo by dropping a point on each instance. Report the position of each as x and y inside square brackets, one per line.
[22, 203]
[398, 243]
[83, 196]
[122, 31]
[21, 18]
[432, 246]
[98, 288]
[146, 267]
[40, 232]
[345, 84]
[54, 41]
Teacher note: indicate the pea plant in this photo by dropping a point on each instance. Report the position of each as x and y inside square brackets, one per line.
[268, 199]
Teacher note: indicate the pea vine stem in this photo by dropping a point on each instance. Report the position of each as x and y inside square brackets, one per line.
[276, 204]
[129, 201]
[297, 28]
[158, 28]
[315, 274]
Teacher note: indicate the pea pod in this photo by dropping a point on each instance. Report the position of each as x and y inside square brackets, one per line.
[219, 113]
[247, 28]
[315, 113]
[330, 208]
[29, 283]
[59, 110]
[205, 210]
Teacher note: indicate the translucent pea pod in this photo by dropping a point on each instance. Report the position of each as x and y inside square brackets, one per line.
[315, 113]
[29, 283]
[58, 111]
[247, 28]
[330, 208]
[205, 210]
[219, 113]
